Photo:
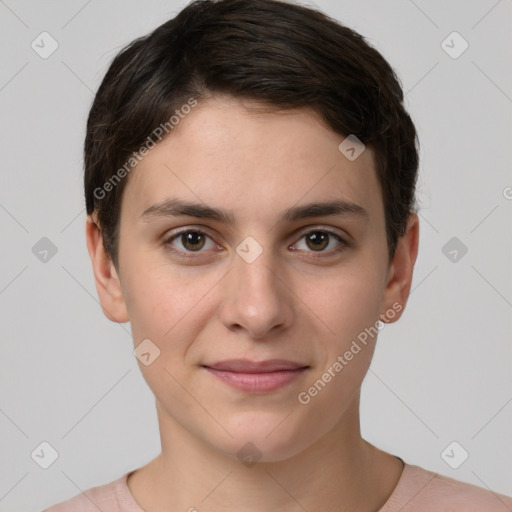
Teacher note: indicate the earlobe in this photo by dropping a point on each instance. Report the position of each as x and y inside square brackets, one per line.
[108, 284]
[400, 273]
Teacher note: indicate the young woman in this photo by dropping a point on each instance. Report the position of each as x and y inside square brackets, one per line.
[250, 178]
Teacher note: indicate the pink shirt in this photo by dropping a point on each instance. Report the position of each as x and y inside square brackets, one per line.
[418, 490]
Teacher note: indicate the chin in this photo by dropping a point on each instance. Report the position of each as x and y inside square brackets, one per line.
[266, 441]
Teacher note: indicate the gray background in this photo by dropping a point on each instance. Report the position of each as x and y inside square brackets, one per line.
[441, 374]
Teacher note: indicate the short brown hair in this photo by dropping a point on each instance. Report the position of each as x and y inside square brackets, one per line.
[282, 54]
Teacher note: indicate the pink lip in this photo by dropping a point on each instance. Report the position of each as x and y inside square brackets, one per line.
[256, 376]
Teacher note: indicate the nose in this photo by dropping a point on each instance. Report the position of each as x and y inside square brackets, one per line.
[256, 297]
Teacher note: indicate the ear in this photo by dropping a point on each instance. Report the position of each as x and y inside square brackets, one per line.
[108, 284]
[399, 279]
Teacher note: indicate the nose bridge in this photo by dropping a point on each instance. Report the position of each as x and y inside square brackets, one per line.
[254, 262]
[258, 277]
[256, 298]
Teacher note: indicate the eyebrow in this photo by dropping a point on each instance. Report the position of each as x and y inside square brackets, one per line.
[178, 208]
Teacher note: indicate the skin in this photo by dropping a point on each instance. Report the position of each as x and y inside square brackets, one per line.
[296, 301]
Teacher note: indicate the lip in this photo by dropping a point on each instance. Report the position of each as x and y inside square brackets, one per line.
[248, 366]
[256, 376]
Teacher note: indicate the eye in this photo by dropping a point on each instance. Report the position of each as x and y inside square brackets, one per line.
[189, 240]
[319, 240]
[192, 242]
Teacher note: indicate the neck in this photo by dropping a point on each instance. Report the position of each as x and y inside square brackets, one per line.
[339, 472]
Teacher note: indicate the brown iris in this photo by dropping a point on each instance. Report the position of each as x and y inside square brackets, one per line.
[317, 240]
[193, 240]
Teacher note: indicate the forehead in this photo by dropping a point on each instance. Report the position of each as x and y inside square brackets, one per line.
[242, 156]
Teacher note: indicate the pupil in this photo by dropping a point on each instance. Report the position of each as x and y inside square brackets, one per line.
[319, 240]
[192, 240]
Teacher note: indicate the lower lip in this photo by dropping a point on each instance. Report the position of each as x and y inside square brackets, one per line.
[257, 382]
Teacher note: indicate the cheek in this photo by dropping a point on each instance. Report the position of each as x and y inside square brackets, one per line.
[167, 305]
[347, 303]
[350, 308]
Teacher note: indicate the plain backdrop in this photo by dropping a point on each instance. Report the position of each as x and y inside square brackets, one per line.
[68, 376]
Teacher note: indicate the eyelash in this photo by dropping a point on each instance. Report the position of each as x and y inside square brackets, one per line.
[195, 254]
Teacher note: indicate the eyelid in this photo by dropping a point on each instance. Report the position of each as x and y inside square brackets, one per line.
[327, 229]
[342, 240]
[174, 234]
[203, 230]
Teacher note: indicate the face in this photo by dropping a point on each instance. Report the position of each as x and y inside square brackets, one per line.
[254, 272]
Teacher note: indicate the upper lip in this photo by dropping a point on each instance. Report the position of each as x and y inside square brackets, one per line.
[247, 366]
